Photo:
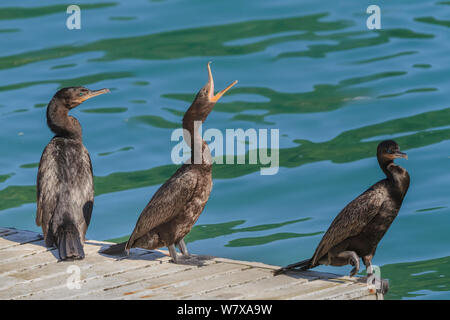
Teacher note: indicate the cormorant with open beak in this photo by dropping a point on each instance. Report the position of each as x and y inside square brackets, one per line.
[178, 203]
[359, 227]
[65, 185]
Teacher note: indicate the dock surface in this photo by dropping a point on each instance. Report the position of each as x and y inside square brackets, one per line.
[29, 270]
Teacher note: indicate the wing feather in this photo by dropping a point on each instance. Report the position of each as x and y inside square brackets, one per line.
[166, 203]
[47, 194]
[64, 184]
[351, 220]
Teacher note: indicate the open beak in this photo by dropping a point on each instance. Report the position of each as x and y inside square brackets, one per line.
[399, 154]
[93, 93]
[212, 97]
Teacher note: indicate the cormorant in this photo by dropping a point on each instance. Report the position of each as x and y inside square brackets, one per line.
[178, 203]
[359, 227]
[65, 186]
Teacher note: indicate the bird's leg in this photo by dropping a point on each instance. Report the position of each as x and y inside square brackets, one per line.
[352, 258]
[173, 253]
[186, 258]
[183, 248]
[368, 263]
[369, 269]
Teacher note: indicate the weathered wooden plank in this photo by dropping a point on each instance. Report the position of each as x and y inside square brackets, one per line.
[351, 293]
[48, 256]
[101, 276]
[254, 264]
[152, 283]
[197, 286]
[295, 290]
[18, 238]
[32, 255]
[32, 261]
[28, 270]
[55, 274]
[18, 253]
[49, 268]
[102, 288]
[251, 290]
[349, 290]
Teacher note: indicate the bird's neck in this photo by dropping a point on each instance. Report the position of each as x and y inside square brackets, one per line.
[200, 153]
[60, 122]
[206, 158]
[396, 175]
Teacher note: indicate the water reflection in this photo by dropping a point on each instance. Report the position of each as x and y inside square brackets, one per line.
[204, 41]
[80, 81]
[210, 231]
[13, 13]
[408, 279]
[324, 98]
[402, 67]
[348, 146]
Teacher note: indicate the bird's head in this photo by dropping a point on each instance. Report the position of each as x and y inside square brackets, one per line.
[389, 150]
[206, 99]
[72, 97]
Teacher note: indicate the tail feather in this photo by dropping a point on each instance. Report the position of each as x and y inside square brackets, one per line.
[69, 243]
[116, 249]
[301, 266]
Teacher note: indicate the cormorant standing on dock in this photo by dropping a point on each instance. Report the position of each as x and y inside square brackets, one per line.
[178, 203]
[65, 186]
[359, 227]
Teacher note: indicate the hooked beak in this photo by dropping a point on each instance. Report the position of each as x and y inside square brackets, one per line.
[399, 154]
[212, 97]
[93, 93]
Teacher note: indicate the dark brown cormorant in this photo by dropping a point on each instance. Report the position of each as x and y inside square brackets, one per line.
[359, 227]
[178, 203]
[65, 186]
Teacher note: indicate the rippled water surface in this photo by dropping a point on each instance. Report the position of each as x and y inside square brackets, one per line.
[308, 68]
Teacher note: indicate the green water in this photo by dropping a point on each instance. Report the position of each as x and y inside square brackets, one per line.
[308, 68]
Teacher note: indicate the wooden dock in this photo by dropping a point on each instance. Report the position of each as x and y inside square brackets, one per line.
[28, 270]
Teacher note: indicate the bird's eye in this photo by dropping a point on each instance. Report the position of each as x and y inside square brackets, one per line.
[81, 94]
[390, 151]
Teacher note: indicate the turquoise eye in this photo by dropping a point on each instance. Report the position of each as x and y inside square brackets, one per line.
[81, 93]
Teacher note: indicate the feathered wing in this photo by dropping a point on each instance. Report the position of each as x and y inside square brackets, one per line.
[166, 203]
[351, 220]
[74, 195]
[86, 189]
[47, 191]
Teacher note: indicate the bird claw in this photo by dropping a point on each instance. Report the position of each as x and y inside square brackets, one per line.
[187, 260]
[198, 260]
